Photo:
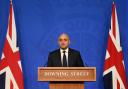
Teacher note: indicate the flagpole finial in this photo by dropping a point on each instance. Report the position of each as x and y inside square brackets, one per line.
[10, 1]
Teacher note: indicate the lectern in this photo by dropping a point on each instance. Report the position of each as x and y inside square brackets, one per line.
[66, 77]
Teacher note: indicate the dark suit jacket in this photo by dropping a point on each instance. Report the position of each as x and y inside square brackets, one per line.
[74, 59]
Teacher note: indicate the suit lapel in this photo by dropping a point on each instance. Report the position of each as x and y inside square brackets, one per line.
[69, 58]
[59, 58]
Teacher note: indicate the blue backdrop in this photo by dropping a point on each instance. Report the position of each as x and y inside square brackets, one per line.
[39, 22]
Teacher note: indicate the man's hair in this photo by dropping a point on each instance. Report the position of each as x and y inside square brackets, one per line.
[64, 34]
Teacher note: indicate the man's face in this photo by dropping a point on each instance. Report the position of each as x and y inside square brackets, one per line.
[63, 41]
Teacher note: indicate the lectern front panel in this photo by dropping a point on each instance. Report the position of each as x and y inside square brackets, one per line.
[66, 77]
[67, 74]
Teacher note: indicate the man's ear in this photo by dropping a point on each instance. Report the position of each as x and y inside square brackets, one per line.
[69, 41]
[58, 42]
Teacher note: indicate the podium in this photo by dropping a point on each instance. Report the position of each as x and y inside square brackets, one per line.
[66, 77]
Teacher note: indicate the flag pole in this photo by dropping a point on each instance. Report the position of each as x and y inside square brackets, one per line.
[11, 2]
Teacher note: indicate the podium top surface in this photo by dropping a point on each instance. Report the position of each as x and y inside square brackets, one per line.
[67, 68]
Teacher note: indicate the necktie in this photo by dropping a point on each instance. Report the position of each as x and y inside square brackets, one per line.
[64, 59]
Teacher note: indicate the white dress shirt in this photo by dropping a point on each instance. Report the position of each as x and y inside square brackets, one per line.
[66, 53]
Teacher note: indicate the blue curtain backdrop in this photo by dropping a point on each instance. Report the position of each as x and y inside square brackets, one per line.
[4, 13]
[39, 23]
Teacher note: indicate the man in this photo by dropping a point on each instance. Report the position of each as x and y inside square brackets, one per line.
[64, 56]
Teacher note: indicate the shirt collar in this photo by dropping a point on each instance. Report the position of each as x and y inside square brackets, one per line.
[66, 50]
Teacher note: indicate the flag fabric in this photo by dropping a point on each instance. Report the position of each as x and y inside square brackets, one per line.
[11, 76]
[114, 74]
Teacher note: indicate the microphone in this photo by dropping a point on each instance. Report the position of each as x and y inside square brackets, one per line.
[86, 65]
[45, 64]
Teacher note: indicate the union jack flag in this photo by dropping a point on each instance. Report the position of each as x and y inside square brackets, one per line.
[11, 76]
[114, 70]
